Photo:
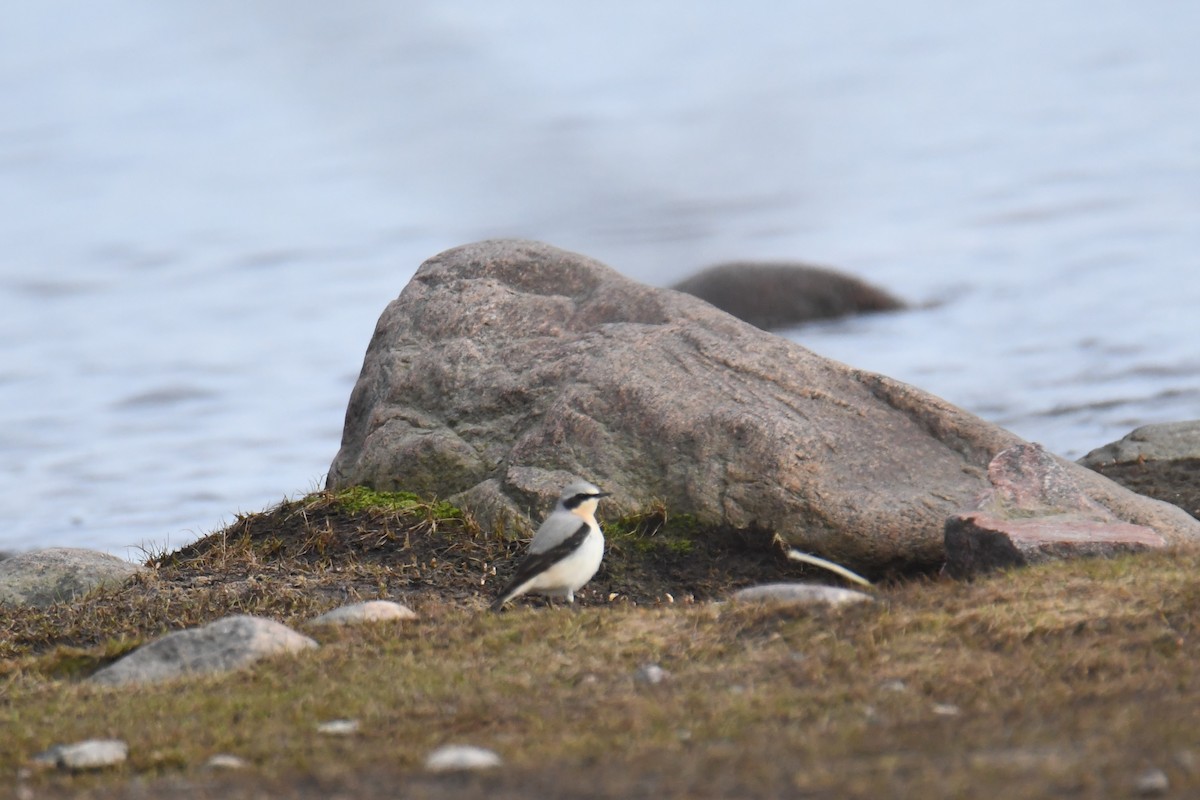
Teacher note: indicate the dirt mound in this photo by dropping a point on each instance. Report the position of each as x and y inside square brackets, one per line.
[364, 544]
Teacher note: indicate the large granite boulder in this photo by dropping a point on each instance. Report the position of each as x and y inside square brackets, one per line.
[507, 368]
[60, 574]
[778, 295]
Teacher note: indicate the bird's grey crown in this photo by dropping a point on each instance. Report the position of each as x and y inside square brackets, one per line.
[579, 492]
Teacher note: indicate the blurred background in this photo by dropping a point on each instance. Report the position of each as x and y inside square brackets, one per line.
[205, 205]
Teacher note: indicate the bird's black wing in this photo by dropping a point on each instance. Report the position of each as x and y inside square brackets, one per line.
[540, 562]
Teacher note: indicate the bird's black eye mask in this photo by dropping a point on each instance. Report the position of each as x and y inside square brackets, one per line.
[583, 497]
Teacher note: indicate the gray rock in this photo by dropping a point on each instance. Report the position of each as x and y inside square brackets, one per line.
[772, 296]
[1036, 512]
[86, 755]
[226, 761]
[1151, 783]
[369, 611]
[1165, 441]
[229, 643]
[60, 574]
[801, 594]
[461, 757]
[506, 369]
[1159, 461]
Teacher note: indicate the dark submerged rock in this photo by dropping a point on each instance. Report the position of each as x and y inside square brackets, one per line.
[773, 296]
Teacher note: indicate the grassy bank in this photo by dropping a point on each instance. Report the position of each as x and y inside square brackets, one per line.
[1068, 679]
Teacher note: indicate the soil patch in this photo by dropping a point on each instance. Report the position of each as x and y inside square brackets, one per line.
[412, 550]
[1176, 482]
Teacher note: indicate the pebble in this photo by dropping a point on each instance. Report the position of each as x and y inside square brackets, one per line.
[460, 757]
[85, 755]
[338, 727]
[370, 611]
[946, 710]
[651, 674]
[1151, 783]
[226, 761]
[801, 594]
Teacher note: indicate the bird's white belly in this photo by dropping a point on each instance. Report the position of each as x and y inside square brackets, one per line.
[568, 575]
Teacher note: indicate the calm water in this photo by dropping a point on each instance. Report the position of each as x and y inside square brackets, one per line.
[204, 206]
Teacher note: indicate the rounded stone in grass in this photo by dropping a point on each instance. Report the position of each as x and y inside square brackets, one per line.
[226, 761]
[803, 594]
[86, 755]
[453, 757]
[370, 611]
[1151, 783]
[227, 644]
[60, 574]
[651, 674]
[338, 727]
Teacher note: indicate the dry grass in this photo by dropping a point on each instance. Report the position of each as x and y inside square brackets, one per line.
[1060, 680]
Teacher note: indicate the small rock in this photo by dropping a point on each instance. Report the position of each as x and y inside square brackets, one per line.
[1152, 783]
[86, 755]
[1158, 461]
[894, 686]
[651, 674]
[801, 594]
[1165, 441]
[461, 757]
[226, 761]
[977, 543]
[338, 727]
[1036, 512]
[946, 710]
[57, 574]
[370, 611]
[229, 643]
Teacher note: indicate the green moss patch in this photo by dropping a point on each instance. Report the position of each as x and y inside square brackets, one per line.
[358, 499]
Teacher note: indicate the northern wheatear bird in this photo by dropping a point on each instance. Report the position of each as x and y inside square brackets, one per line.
[566, 550]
